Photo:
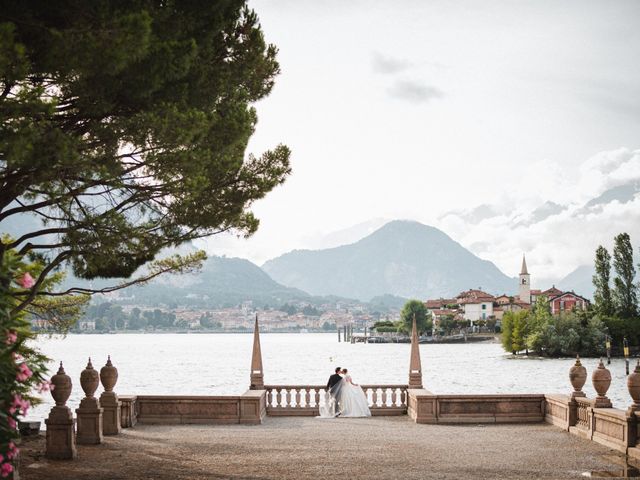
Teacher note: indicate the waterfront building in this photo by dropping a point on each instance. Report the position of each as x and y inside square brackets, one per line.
[476, 304]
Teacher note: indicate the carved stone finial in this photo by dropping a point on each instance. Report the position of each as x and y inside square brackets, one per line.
[108, 375]
[89, 380]
[62, 387]
[577, 377]
[601, 379]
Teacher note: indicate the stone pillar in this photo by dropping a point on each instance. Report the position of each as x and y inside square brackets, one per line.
[109, 400]
[257, 374]
[601, 379]
[578, 377]
[89, 426]
[415, 367]
[61, 438]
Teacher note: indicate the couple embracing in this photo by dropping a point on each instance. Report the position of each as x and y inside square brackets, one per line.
[344, 398]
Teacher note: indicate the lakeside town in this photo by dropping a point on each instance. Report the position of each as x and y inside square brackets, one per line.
[473, 310]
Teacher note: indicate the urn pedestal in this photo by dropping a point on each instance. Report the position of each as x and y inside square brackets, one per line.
[109, 400]
[61, 437]
[601, 379]
[89, 414]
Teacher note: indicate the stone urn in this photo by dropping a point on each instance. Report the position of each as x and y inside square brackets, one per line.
[89, 380]
[601, 379]
[61, 387]
[633, 384]
[578, 377]
[108, 375]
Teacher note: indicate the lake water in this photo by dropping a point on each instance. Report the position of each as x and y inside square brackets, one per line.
[218, 364]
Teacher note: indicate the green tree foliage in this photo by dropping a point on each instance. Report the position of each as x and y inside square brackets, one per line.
[548, 335]
[328, 327]
[423, 318]
[625, 298]
[288, 309]
[601, 282]
[507, 331]
[514, 331]
[123, 131]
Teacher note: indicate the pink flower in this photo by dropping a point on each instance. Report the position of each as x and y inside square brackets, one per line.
[12, 338]
[12, 451]
[24, 373]
[26, 281]
[44, 386]
[6, 469]
[20, 405]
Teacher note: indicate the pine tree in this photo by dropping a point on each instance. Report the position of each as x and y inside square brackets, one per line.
[625, 298]
[601, 279]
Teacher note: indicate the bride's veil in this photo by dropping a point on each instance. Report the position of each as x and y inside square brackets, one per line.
[331, 406]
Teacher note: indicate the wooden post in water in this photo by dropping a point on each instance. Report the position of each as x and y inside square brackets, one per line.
[415, 366]
[625, 346]
[344, 333]
[338, 327]
[257, 374]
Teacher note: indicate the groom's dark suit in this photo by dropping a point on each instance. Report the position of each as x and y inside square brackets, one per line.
[333, 379]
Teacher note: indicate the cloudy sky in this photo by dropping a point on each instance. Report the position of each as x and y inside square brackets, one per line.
[499, 122]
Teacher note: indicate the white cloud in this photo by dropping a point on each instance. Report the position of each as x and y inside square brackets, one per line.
[563, 240]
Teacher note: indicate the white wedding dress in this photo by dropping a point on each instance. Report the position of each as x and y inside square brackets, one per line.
[352, 401]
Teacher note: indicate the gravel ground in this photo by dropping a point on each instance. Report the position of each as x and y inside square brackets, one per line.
[300, 448]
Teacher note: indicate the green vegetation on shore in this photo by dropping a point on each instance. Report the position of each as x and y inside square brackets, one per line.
[614, 314]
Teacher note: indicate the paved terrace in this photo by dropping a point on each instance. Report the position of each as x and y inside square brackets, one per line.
[307, 447]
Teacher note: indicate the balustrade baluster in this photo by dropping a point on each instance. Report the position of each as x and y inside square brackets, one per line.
[394, 397]
[366, 394]
[307, 397]
[298, 398]
[384, 397]
[374, 397]
[279, 397]
[317, 397]
[403, 397]
[269, 398]
[288, 404]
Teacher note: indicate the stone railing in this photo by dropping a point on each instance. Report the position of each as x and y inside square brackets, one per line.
[305, 400]
[583, 418]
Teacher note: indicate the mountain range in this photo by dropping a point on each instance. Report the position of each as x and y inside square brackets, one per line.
[402, 258]
[399, 260]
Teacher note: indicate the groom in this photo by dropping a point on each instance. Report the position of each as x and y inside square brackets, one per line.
[333, 386]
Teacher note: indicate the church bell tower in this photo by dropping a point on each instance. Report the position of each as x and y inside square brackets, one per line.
[524, 291]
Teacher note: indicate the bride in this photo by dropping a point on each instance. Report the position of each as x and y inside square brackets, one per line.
[346, 399]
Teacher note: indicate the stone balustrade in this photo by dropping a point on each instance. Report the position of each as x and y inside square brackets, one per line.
[305, 400]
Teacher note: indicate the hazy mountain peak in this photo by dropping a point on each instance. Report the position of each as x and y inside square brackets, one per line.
[404, 258]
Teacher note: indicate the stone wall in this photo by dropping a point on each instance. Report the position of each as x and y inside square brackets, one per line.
[425, 407]
[249, 408]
